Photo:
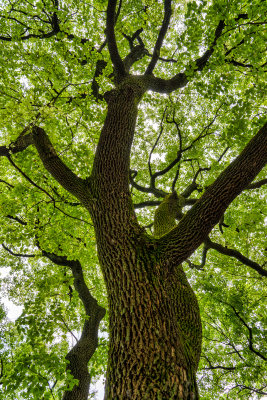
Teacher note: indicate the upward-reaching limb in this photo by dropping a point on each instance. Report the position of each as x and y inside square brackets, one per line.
[161, 35]
[180, 80]
[193, 229]
[112, 45]
[51, 161]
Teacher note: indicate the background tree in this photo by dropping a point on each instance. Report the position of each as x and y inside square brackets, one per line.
[106, 110]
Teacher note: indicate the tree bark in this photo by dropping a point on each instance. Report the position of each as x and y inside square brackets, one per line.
[155, 328]
[154, 320]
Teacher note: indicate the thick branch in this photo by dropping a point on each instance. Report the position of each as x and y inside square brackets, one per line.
[111, 39]
[202, 61]
[19, 145]
[161, 35]
[180, 80]
[100, 66]
[161, 85]
[193, 229]
[51, 161]
[55, 166]
[136, 53]
[236, 254]
[85, 347]
[190, 189]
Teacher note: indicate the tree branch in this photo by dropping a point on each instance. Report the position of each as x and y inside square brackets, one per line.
[180, 80]
[177, 245]
[100, 66]
[51, 161]
[132, 38]
[55, 166]
[156, 192]
[203, 260]
[17, 219]
[155, 203]
[167, 169]
[250, 339]
[53, 21]
[111, 39]
[22, 142]
[202, 61]
[228, 341]
[83, 350]
[167, 86]
[161, 35]
[236, 254]
[256, 185]
[8, 184]
[193, 185]
[28, 178]
[243, 387]
[135, 54]
[211, 367]
[148, 203]
[17, 254]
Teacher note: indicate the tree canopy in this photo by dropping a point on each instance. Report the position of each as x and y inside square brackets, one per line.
[203, 68]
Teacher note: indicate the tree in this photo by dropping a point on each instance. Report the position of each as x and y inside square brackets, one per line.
[109, 110]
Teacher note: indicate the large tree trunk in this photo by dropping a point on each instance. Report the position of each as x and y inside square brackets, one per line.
[155, 328]
[155, 331]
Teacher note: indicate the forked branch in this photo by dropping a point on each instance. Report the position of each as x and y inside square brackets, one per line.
[177, 245]
[250, 331]
[180, 80]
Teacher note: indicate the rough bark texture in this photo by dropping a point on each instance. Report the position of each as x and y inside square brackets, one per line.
[155, 329]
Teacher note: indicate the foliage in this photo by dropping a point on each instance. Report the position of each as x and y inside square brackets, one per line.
[48, 77]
